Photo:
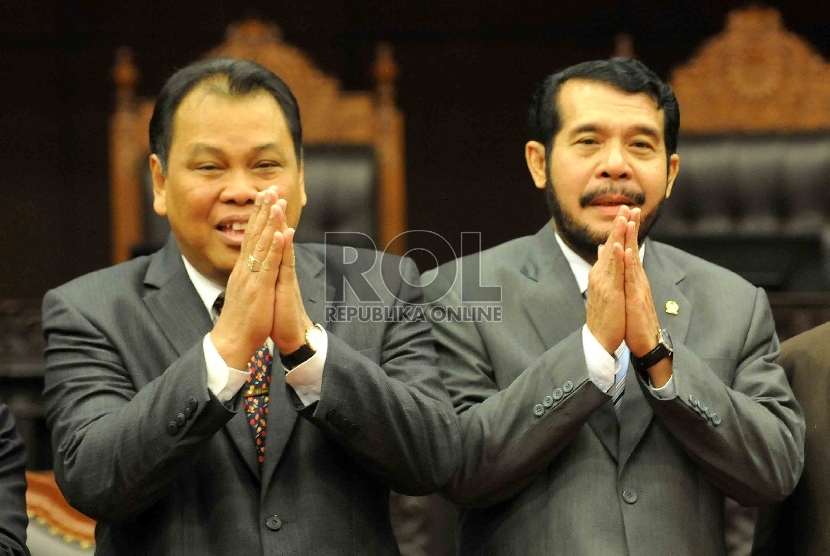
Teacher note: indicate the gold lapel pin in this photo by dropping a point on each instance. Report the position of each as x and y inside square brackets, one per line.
[672, 307]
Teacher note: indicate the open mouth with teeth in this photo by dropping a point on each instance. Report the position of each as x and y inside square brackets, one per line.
[233, 232]
[235, 227]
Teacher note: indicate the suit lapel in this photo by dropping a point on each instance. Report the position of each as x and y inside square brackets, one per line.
[181, 315]
[281, 416]
[664, 278]
[555, 306]
[173, 300]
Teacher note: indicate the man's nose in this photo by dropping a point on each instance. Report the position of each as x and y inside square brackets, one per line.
[240, 189]
[614, 164]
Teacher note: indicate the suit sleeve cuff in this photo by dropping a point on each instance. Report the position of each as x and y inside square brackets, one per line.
[223, 381]
[665, 392]
[307, 378]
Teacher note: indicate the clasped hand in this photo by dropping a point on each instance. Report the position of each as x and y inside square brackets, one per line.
[264, 303]
[620, 307]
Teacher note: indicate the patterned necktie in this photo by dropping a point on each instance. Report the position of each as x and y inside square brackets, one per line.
[621, 354]
[255, 394]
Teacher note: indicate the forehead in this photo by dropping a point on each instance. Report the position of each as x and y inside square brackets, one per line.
[210, 111]
[583, 102]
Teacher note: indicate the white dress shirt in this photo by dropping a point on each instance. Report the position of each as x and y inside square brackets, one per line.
[224, 382]
[602, 366]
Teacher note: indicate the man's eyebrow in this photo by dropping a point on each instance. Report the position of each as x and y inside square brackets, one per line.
[640, 129]
[201, 148]
[266, 146]
[652, 132]
[584, 128]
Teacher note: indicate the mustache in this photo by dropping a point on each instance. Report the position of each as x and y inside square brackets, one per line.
[611, 189]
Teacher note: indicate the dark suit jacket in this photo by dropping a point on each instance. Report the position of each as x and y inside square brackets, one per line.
[801, 525]
[13, 519]
[143, 447]
[546, 467]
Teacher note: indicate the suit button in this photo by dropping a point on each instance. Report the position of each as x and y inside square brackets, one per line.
[538, 410]
[557, 394]
[703, 409]
[567, 387]
[187, 412]
[629, 496]
[180, 419]
[548, 401]
[345, 424]
[715, 419]
[274, 523]
[354, 430]
[693, 399]
[192, 404]
[172, 428]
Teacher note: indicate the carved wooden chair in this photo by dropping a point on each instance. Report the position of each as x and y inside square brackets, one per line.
[755, 154]
[55, 528]
[353, 141]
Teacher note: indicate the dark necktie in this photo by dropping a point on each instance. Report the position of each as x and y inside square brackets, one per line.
[255, 391]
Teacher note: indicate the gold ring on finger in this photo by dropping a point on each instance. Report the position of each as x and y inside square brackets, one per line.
[254, 264]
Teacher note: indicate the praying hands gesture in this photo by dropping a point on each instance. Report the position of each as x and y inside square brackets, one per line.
[263, 297]
[620, 307]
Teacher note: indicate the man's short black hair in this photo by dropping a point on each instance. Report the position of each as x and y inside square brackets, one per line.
[243, 77]
[625, 74]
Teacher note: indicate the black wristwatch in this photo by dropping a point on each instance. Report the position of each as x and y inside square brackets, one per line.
[306, 351]
[664, 349]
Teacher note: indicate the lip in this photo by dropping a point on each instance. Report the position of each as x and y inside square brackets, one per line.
[609, 205]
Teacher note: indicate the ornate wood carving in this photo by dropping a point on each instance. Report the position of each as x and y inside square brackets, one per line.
[48, 508]
[329, 115]
[754, 76]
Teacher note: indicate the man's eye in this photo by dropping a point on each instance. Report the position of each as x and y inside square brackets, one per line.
[588, 141]
[642, 145]
[207, 167]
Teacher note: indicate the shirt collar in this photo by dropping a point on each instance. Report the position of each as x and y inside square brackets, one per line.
[206, 289]
[580, 266]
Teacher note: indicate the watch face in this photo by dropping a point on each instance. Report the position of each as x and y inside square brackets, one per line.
[313, 337]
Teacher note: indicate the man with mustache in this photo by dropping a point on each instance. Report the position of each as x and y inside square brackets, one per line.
[628, 387]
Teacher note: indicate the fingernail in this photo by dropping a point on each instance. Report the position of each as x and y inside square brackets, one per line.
[258, 200]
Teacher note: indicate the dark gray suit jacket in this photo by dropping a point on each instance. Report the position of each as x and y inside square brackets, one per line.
[546, 467]
[801, 525]
[13, 519]
[143, 447]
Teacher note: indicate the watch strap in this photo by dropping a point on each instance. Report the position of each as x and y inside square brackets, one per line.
[302, 354]
[298, 357]
[660, 352]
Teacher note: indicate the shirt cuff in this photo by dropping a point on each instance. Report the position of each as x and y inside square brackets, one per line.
[223, 381]
[665, 392]
[307, 378]
[602, 366]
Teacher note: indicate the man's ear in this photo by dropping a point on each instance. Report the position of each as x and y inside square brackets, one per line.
[303, 197]
[159, 186]
[674, 168]
[535, 156]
